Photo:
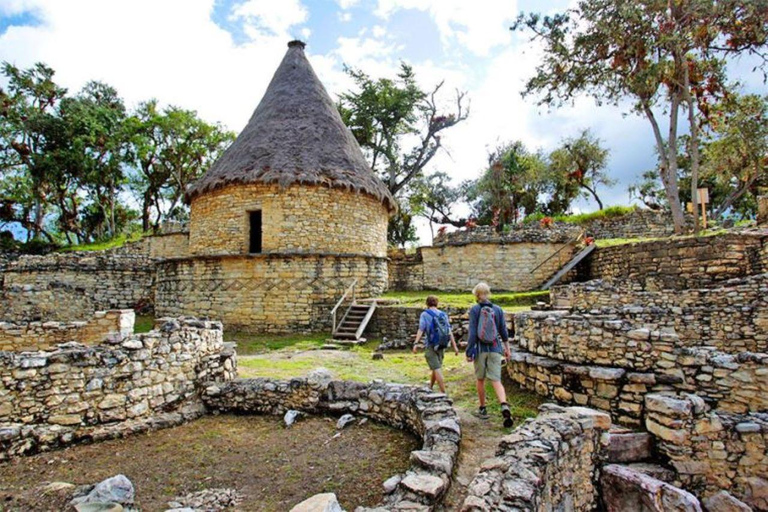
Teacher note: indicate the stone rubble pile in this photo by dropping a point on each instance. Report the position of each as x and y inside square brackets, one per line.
[208, 500]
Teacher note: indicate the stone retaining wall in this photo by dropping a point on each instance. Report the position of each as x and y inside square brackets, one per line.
[402, 322]
[110, 281]
[639, 223]
[732, 316]
[548, 463]
[111, 325]
[52, 301]
[405, 271]
[266, 293]
[712, 451]
[682, 262]
[729, 383]
[428, 415]
[49, 399]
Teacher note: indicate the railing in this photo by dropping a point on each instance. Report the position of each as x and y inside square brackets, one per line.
[567, 244]
[350, 289]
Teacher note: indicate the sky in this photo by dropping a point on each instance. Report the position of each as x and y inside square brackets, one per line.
[217, 57]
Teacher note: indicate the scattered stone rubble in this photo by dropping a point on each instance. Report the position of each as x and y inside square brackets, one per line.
[208, 500]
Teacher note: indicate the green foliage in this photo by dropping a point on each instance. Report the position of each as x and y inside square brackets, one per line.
[434, 198]
[585, 218]
[102, 245]
[66, 160]
[511, 185]
[663, 57]
[579, 163]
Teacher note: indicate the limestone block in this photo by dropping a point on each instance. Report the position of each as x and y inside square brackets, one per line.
[627, 490]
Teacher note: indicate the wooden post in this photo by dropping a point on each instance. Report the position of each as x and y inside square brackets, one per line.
[703, 201]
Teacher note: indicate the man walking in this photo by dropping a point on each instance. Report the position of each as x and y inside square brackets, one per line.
[488, 343]
[435, 327]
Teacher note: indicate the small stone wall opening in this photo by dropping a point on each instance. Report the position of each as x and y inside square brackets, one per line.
[254, 242]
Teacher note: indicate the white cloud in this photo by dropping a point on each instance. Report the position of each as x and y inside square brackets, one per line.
[267, 17]
[345, 17]
[379, 31]
[479, 28]
[346, 4]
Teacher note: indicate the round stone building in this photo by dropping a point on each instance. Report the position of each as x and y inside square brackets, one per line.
[285, 220]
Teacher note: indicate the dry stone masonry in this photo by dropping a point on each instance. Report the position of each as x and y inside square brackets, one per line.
[112, 325]
[428, 415]
[76, 392]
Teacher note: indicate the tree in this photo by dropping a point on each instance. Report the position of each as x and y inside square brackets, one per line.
[385, 115]
[27, 111]
[664, 55]
[401, 229]
[648, 191]
[512, 183]
[581, 161]
[170, 149]
[434, 199]
[736, 147]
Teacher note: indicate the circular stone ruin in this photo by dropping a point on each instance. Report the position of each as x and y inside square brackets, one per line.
[428, 415]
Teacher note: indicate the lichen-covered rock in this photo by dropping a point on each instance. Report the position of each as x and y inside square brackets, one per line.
[626, 490]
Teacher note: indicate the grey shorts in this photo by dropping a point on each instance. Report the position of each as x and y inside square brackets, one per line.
[488, 366]
[434, 357]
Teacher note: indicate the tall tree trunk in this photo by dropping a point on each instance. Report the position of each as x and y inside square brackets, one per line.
[693, 147]
[594, 194]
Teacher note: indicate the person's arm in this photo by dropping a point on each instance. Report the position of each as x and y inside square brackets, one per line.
[472, 336]
[419, 334]
[504, 334]
[453, 338]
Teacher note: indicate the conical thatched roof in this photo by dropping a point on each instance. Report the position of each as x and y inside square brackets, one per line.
[295, 136]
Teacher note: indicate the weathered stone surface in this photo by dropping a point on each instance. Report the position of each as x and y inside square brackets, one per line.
[627, 447]
[345, 421]
[724, 502]
[326, 502]
[426, 485]
[117, 489]
[626, 490]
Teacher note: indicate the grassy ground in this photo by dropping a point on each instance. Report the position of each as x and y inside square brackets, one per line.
[611, 242]
[118, 241]
[465, 300]
[144, 323]
[248, 344]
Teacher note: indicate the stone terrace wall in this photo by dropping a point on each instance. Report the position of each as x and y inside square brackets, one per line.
[50, 302]
[53, 398]
[712, 451]
[402, 322]
[406, 271]
[169, 245]
[426, 414]
[273, 293]
[530, 233]
[681, 263]
[111, 281]
[731, 317]
[548, 463]
[113, 325]
[639, 223]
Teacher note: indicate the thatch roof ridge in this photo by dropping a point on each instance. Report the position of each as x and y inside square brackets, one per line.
[295, 136]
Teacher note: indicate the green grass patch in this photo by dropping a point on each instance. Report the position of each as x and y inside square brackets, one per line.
[118, 241]
[521, 300]
[612, 242]
[144, 323]
[260, 343]
[585, 218]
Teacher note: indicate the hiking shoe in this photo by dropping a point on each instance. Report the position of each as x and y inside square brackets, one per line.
[482, 413]
[507, 416]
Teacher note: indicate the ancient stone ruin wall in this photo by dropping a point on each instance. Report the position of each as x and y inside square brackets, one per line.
[639, 223]
[50, 302]
[49, 399]
[110, 281]
[171, 245]
[405, 271]
[299, 218]
[730, 317]
[402, 322]
[428, 415]
[548, 463]
[266, 293]
[712, 451]
[33, 336]
[681, 263]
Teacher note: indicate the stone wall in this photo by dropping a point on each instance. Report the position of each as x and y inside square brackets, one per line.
[683, 262]
[405, 271]
[548, 463]
[524, 233]
[503, 266]
[401, 322]
[712, 451]
[762, 210]
[299, 218]
[428, 415]
[170, 245]
[639, 223]
[267, 292]
[52, 301]
[731, 317]
[102, 326]
[110, 281]
[53, 398]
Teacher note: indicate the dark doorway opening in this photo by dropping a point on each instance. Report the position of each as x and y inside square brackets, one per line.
[254, 245]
